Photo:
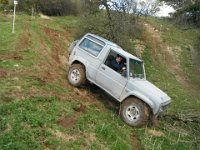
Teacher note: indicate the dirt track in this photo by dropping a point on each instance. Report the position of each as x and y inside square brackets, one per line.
[170, 57]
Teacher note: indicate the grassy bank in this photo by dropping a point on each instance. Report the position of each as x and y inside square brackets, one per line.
[40, 110]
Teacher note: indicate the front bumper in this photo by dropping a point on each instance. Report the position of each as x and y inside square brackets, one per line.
[162, 108]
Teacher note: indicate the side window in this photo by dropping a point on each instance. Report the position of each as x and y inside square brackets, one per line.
[91, 47]
[116, 62]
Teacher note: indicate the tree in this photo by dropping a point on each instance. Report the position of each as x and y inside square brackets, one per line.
[139, 7]
[50, 7]
[4, 2]
[110, 19]
[187, 11]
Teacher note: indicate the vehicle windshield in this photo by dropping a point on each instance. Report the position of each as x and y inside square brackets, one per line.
[136, 69]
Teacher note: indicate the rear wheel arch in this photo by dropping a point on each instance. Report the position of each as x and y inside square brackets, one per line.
[78, 62]
[82, 64]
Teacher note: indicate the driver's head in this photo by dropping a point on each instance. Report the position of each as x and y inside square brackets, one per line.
[119, 58]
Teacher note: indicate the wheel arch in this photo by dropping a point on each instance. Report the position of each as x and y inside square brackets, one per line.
[78, 62]
[143, 99]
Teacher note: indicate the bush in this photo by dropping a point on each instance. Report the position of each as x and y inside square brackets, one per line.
[121, 29]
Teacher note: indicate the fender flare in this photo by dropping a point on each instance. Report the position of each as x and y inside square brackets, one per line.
[143, 98]
[82, 61]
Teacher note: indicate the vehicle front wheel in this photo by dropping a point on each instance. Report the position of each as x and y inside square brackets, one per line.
[76, 75]
[134, 112]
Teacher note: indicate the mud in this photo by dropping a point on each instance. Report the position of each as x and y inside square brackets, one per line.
[3, 73]
[58, 49]
[70, 121]
[136, 144]
[67, 122]
[12, 56]
[25, 39]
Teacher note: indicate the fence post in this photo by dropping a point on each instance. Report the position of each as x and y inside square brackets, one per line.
[15, 4]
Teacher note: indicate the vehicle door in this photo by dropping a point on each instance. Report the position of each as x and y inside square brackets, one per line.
[112, 81]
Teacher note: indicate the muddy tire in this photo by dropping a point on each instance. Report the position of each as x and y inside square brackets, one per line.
[76, 75]
[134, 112]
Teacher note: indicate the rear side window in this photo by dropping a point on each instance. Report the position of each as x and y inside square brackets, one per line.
[91, 47]
[96, 40]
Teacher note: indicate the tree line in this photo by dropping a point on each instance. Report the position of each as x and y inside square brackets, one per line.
[115, 20]
[187, 11]
[48, 7]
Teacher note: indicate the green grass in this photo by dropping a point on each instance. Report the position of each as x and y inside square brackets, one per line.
[182, 37]
[34, 95]
[182, 99]
[176, 134]
[28, 124]
[29, 108]
[104, 126]
[8, 40]
[25, 122]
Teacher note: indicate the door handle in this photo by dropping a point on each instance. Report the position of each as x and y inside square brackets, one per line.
[103, 68]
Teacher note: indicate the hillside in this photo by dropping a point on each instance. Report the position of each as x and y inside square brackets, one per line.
[40, 110]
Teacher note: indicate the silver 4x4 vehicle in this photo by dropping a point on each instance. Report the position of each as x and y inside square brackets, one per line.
[91, 59]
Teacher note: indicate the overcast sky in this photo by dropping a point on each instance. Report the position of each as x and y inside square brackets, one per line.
[164, 11]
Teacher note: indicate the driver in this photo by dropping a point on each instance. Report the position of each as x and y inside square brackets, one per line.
[117, 63]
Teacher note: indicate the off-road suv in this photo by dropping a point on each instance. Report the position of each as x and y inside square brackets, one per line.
[91, 58]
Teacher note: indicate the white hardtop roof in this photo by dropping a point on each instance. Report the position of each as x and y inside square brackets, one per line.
[115, 47]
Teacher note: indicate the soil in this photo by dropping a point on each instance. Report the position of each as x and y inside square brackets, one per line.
[25, 38]
[155, 133]
[136, 144]
[12, 56]
[68, 122]
[3, 73]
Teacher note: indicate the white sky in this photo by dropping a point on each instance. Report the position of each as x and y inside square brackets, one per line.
[164, 11]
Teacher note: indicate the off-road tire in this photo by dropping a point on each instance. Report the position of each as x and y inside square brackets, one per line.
[76, 75]
[134, 112]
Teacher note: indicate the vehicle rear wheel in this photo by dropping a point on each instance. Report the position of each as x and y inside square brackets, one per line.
[76, 75]
[134, 112]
